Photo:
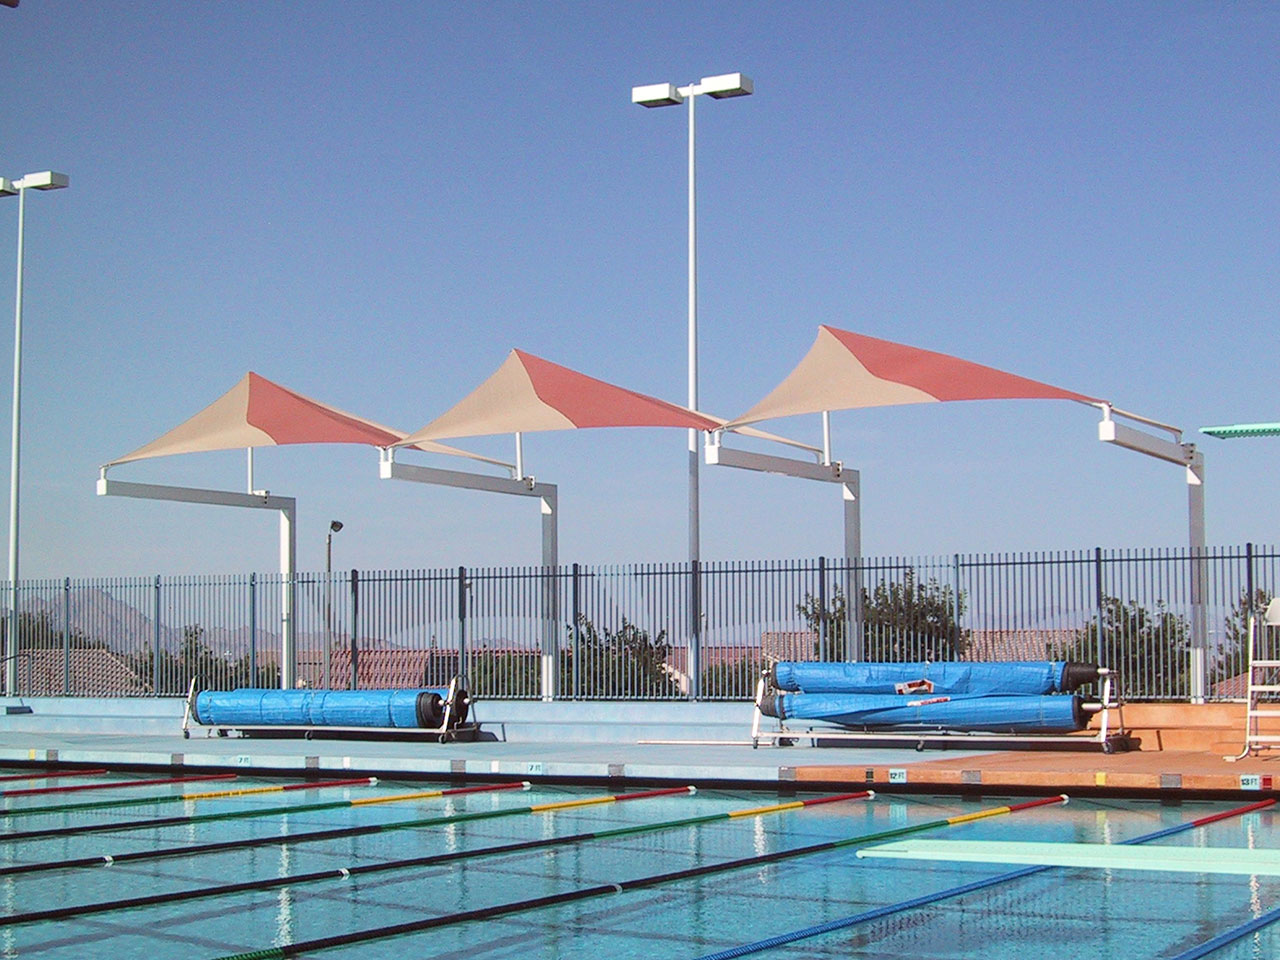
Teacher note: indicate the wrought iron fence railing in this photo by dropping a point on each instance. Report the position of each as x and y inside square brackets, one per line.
[1171, 623]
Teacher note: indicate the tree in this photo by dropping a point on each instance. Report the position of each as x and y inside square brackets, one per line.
[904, 620]
[36, 631]
[1148, 649]
[626, 662]
[732, 679]
[1232, 656]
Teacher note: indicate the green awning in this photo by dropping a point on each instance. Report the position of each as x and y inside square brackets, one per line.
[1243, 430]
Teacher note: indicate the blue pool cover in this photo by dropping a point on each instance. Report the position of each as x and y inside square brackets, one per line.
[320, 708]
[993, 714]
[1014, 677]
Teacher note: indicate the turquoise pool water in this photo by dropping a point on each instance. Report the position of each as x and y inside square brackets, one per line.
[1061, 913]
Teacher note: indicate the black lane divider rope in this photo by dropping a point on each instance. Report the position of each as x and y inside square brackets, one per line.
[587, 893]
[335, 833]
[123, 826]
[432, 860]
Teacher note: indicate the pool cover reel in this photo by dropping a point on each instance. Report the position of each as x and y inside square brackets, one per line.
[995, 714]
[1036, 677]
[420, 708]
[1012, 697]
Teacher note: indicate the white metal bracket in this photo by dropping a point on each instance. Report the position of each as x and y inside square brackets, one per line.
[1188, 457]
[260, 500]
[547, 495]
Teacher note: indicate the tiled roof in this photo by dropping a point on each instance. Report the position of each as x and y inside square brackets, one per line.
[95, 672]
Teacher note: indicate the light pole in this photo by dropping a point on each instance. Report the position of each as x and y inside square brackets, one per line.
[45, 180]
[334, 527]
[667, 95]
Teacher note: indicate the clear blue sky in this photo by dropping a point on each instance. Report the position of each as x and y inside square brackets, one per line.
[373, 202]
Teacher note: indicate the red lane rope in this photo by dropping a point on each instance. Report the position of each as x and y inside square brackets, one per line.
[52, 773]
[316, 784]
[122, 783]
[1238, 811]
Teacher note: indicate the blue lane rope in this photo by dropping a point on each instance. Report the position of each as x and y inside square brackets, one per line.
[1230, 936]
[874, 914]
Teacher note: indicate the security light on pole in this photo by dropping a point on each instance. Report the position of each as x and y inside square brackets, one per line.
[43, 180]
[719, 87]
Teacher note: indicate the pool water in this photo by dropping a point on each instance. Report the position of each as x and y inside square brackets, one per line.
[1061, 913]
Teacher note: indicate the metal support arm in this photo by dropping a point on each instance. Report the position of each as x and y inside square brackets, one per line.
[288, 509]
[548, 499]
[1192, 460]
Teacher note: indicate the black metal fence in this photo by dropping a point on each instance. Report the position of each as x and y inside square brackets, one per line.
[1172, 624]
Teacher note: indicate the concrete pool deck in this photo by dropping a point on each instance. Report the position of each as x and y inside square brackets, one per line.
[609, 745]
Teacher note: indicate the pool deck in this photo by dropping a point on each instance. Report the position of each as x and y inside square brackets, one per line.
[624, 751]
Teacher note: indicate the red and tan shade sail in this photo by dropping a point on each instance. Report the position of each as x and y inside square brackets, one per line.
[528, 394]
[259, 413]
[845, 371]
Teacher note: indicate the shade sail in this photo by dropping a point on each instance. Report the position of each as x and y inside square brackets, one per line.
[844, 371]
[259, 413]
[528, 394]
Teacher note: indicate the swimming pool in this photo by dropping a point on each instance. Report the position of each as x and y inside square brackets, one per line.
[1061, 912]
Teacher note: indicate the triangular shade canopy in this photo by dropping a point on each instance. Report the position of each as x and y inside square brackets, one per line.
[528, 394]
[259, 413]
[844, 371]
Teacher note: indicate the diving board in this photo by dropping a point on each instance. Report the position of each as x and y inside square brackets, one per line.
[1097, 856]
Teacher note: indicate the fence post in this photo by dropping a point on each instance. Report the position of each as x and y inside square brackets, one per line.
[824, 615]
[957, 648]
[66, 637]
[695, 634]
[355, 623]
[1098, 602]
[253, 629]
[462, 622]
[577, 632]
[155, 644]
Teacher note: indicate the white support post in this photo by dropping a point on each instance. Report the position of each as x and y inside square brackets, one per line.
[288, 592]
[550, 593]
[851, 491]
[1192, 460]
[288, 508]
[521, 486]
[829, 471]
[1199, 577]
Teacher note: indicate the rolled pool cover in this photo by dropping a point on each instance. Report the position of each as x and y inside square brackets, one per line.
[251, 707]
[1031, 677]
[1015, 714]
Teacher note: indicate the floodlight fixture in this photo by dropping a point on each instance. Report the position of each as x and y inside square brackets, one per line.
[7, 188]
[44, 180]
[726, 85]
[335, 525]
[656, 95]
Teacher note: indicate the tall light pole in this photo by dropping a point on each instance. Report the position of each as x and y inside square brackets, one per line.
[45, 180]
[667, 95]
[334, 527]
